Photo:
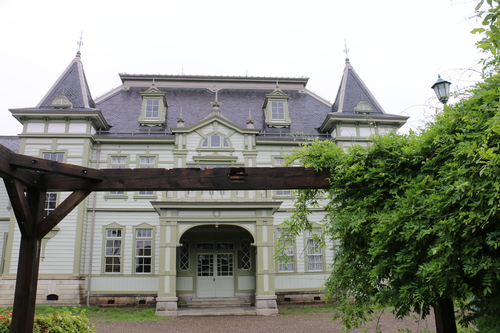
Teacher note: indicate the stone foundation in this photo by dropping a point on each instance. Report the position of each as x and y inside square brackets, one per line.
[300, 297]
[166, 306]
[122, 300]
[50, 291]
[266, 305]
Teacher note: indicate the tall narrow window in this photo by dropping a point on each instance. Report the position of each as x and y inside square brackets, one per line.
[314, 251]
[118, 162]
[246, 255]
[288, 250]
[113, 254]
[184, 256]
[143, 250]
[147, 162]
[51, 197]
[50, 203]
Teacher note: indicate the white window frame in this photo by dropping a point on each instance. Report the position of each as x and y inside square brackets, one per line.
[113, 240]
[54, 156]
[143, 236]
[314, 251]
[289, 265]
[152, 108]
[50, 202]
[276, 110]
[215, 141]
[118, 162]
[146, 162]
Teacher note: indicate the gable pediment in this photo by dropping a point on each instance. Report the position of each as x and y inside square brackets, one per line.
[212, 120]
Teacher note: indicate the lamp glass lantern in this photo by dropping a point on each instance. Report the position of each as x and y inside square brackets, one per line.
[442, 89]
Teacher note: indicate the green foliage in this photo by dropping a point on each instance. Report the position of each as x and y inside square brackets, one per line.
[128, 314]
[64, 321]
[112, 314]
[417, 216]
[490, 31]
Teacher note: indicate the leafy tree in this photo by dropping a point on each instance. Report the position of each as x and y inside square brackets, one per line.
[417, 217]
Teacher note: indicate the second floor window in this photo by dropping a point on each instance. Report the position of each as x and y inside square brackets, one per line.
[59, 157]
[118, 162]
[215, 141]
[146, 162]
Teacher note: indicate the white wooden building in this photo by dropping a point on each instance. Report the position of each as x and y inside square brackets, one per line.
[175, 248]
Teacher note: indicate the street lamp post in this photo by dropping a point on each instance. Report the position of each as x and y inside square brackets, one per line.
[444, 311]
[442, 89]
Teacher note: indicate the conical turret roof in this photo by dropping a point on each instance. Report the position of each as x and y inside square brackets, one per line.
[73, 85]
[352, 91]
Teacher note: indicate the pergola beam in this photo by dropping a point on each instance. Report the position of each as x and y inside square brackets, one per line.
[192, 179]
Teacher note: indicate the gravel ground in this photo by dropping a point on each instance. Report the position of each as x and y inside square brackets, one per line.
[310, 323]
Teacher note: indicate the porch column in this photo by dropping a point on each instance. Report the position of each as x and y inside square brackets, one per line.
[166, 302]
[265, 295]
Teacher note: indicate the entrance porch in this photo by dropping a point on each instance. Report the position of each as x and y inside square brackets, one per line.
[215, 253]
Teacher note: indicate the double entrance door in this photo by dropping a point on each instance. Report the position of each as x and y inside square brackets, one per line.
[215, 273]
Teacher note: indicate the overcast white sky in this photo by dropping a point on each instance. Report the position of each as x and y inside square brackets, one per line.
[398, 47]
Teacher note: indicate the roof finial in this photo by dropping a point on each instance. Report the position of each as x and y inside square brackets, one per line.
[250, 121]
[346, 51]
[216, 104]
[180, 120]
[79, 43]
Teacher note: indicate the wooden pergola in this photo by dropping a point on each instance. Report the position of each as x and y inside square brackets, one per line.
[28, 179]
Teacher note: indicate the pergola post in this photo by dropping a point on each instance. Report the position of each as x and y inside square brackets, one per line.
[444, 314]
[28, 265]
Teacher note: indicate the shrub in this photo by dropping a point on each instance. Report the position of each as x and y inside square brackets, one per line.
[59, 322]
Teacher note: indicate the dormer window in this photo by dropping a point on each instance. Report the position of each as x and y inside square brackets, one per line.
[214, 141]
[61, 102]
[154, 108]
[363, 107]
[276, 109]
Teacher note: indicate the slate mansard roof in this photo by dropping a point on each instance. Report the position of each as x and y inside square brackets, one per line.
[117, 113]
[122, 108]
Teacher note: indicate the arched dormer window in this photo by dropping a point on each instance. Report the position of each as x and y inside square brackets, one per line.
[215, 141]
[61, 102]
[363, 107]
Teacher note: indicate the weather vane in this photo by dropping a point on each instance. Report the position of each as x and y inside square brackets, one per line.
[80, 42]
[346, 50]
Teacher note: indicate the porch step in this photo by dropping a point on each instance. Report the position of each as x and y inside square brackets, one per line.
[216, 302]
